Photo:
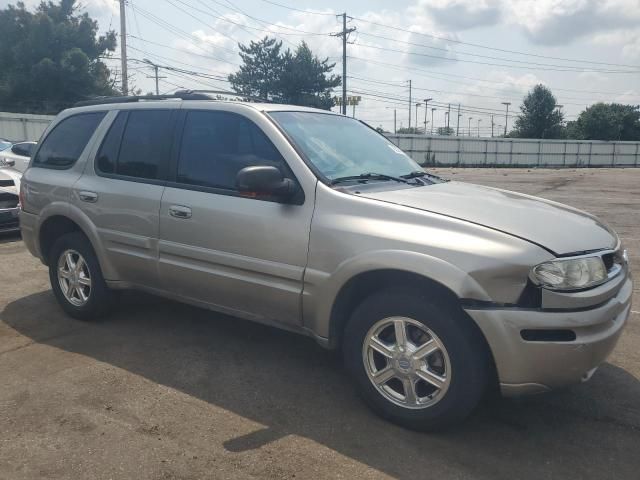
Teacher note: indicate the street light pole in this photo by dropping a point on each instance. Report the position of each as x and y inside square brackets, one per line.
[470, 118]
[506, 117]
[479, 120]
[417, 108]
[433, 109]
[492, 124]
[426, 109]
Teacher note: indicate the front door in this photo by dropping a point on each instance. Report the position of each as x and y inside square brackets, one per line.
[242, 255]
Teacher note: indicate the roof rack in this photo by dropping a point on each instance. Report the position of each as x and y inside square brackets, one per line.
[180, 95]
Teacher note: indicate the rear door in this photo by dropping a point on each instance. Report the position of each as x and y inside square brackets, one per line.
[242, 255]
[121, 190]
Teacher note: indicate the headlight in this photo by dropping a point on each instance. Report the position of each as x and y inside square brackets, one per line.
[570, 274]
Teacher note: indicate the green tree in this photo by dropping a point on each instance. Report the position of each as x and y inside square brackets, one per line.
[608, 121]
[51, 57]
[408, 130]
[446, 131]
[299, 77]
[540, 116]
[261, 69]
[307, 80]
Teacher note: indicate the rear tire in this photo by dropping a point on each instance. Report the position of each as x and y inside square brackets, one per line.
[76, 278]
[433, 378]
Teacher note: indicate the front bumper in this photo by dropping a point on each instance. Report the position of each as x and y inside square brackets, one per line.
[536, 366]
[9, 219]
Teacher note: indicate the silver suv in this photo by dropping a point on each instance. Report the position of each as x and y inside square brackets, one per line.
[313, 222]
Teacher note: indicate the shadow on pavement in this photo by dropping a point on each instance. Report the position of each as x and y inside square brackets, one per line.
[292, 386]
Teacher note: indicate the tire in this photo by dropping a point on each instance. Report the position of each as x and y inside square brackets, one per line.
[92, 301]
[461, 367]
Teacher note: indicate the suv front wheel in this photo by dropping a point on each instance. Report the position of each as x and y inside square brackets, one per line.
[76, 278]
[415, 362]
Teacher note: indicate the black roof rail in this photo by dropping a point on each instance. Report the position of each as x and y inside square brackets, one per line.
[180, 95]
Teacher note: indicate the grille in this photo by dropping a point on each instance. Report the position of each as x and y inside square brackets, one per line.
[8, 200]
[6, 183]
[609, 260]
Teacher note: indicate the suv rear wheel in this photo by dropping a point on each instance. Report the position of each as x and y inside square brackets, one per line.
[76, 278]
[415, 362]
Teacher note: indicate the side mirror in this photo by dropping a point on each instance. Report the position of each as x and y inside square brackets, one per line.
[265, 180]
[24, 150]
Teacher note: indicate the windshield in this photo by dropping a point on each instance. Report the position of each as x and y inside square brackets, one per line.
[341, 147]
[4, 145]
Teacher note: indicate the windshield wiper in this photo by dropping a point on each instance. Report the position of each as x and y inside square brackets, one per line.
[420, 174]
[368, 176]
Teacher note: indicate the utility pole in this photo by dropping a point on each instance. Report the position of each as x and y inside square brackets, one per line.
[344, 34]
[479, 120]
[458, 125]
[433, 109]
[395, 130]
[470, 118]
[426, 109]
[448, 118]
[417, 108]
[155, 68]
[506, 117]
[123, 49]
[492, 124]
[410, 102]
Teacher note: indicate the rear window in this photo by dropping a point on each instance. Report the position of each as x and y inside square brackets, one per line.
[64, 144]
[137, 145]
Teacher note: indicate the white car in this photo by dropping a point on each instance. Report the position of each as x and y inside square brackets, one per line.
[9, 200]
[17, 156]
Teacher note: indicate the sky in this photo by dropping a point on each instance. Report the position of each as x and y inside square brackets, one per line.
[473, 53]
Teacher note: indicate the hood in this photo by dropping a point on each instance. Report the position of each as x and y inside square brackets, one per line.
[556, 227]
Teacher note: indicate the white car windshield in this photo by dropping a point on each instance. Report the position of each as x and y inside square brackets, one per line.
[342, 147]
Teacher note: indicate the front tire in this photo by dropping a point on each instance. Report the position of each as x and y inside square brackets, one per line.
[415, 362]
[76, 278]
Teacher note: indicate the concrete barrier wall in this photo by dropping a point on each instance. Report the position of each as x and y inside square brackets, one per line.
[22, 126]
[515, 152]
[439, 150]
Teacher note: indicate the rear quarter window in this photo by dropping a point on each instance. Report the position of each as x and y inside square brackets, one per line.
[63, 145]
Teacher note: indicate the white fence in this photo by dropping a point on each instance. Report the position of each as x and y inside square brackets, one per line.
[440, 150]
[478, 152]
[22, 126]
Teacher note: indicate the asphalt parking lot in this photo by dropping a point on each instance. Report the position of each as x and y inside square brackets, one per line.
[166, 391]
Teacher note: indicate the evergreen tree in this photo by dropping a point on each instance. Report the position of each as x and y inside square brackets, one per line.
[540, 116]
[51, 58]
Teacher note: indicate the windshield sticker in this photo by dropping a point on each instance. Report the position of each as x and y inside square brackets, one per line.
[395, 149]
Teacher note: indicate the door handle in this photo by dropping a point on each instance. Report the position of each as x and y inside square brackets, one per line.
[179, 211]
[91, 197]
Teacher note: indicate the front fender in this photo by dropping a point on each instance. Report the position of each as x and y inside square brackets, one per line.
[322, 288]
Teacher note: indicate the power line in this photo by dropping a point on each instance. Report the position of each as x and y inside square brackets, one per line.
[406, 29]
[298, 9]
[429, 74]
[526, 67]
[529, 62]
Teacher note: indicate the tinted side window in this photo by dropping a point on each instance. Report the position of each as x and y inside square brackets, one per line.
[145, 146]
[108, 154]
[67, 140]
[217, 145]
